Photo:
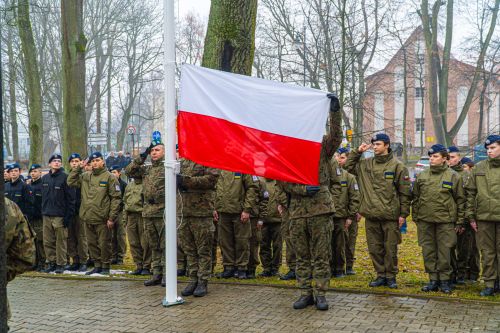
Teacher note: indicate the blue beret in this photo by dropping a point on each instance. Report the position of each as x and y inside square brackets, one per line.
[73, 156]
[55, 157]
[95, 155]
[466, 160]
[342, 150]
[453, 149]
[115, 167]
[13, 166]
[35, 166]
[491, 139]
[156, 142]
[436, 149]
[381, 137]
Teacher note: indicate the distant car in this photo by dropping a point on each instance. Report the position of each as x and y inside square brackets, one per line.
[422, 164]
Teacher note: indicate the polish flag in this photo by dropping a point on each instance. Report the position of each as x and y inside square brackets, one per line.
[250, 125]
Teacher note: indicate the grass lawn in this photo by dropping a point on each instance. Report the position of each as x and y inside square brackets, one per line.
[411, 275]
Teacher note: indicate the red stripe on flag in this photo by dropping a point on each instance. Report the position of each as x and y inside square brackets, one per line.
[221, 144]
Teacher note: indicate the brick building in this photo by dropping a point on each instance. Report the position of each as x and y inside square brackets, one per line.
[384, 102]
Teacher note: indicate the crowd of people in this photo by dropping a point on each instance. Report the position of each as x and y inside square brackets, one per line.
[83, 218]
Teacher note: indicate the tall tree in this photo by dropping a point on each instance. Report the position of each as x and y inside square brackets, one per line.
[73, 64]
[230, 39]
[32, 78]
[12, 94]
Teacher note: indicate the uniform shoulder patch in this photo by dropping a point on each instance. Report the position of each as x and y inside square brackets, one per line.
[389, 175]
[343, 183]
[237, 175]
[266, 194]
[255, 178]
[103, 183]
[117, 188]
[447, 185]
[356, 187]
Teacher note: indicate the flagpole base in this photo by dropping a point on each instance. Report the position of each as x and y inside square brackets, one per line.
[178, 301]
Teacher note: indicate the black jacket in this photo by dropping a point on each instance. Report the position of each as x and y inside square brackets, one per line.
[123, 185]
[20, 193]
[36, 190]
[58, 199]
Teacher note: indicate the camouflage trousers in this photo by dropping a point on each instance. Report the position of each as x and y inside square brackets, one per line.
[139, 244]
[55, 240]
[270, 246]
[99, 243]
[40, 252]
[155, 230]
[195, 238]
[339, 236]
[311, 237]
[77, 241]
[383, 238]
[119, 238]
[291, 258]
[350, 245]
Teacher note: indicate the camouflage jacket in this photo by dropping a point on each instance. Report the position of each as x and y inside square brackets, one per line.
[236, 192]
[101, 194]
[153, 180]
[259, 210]
[132, 198]
[19, 241]
[345, 194]
[196, 198]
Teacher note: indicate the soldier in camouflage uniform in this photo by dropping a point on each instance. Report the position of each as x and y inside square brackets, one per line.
[385, 203]
[101, 199]
[346, 197]
[195, 206]
[236, 196]
[291, 258]
[257, 216]
[19, 243]
[132, 216]
[154, 205]
[272, 242]
[465, 257]
[311, 209]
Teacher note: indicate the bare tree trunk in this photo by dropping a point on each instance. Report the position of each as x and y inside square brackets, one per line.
[108, 83]
[230, 39]
[12, 96]
[32, 77]
[73, 64]
[405, 102]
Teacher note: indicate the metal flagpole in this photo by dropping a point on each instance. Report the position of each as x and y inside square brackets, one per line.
[171, 164]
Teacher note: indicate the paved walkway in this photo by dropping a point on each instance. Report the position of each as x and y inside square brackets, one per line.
[55, 305]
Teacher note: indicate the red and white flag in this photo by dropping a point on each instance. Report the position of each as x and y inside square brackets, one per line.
[254, 126]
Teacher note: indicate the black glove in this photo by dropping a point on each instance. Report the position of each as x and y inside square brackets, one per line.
[145, 153]
[334, 103]
[180, 183]
[67, 222]
[312, 190]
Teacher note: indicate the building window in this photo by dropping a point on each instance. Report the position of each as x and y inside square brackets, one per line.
[419, 92]
[419, 124]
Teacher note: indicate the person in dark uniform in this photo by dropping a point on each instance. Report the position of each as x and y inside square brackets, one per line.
[35, 172]
[18, 191]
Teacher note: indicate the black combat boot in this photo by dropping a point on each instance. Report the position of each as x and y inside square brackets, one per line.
[446, 287]
[391, 283]
[138, 271]
[154, 281]
[181, 272]
[303, 302]
[487, 292]
[190, 288]
[266, 273]
[96, 270]
[105, 271]
[72, 267]
[50, 268]
[145, 271]
[83, 268]
[321, 303]
[59, 269]
[350, 271]
[497, 285]
[289, 276]
[378, 282]
[338, 274]
[227, 273]
[433, 285]
[242, 274]
[201, 289]
[461, 280]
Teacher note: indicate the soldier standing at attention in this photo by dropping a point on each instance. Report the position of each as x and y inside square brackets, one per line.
[101, 198]
[483, 212]
[18, 191]
[385, 203]
[438, 210]
[257, 215]
[236, 196]
[465, 256]
[58, 209]
[154, 204]
[119, 237]
[35, 172]
[346, 197]
[132, 216]
[77, 237]
[19, 243]
[195, 206]
[311, 209]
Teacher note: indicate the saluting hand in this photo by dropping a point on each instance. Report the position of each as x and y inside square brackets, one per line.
[364, 147]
